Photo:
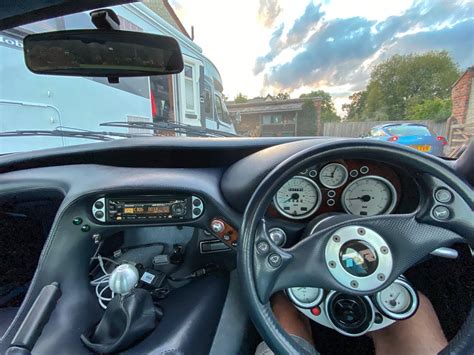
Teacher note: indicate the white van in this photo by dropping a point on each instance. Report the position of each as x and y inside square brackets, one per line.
[39, 102]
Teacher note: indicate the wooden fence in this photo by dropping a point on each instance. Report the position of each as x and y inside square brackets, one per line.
[358, 129]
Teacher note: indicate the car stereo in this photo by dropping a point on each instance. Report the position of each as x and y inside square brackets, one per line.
[147, 209]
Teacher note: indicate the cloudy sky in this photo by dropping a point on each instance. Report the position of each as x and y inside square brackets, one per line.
[268, 46]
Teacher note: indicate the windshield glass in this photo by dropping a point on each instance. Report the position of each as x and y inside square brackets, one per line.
[267, 68]
[408, 131]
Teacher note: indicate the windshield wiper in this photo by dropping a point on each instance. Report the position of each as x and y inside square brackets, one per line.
[63, 132]
[171, 127]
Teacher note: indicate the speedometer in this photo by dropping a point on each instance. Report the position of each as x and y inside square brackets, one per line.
[298, 198]
[369, 196]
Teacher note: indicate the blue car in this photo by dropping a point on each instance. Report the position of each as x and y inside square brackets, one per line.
[417, 136]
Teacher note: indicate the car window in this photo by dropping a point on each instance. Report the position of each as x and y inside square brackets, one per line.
[408, 131]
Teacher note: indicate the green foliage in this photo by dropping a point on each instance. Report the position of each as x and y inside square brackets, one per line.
[240, 98]
[328, 111]
[306, 122]
[282, 96]
[435, 109]
[400, 83]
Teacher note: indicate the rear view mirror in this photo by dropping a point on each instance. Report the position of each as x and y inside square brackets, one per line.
[102, 53]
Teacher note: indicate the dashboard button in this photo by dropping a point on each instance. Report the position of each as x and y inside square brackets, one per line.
[197, 202]
[441, 213]
[77, 221]
[263, 247]
[86, 228]
[443, 196]
[274, 260]
[99, 205]
[99, 214]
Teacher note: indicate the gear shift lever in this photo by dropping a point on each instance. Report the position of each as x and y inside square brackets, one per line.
[129, 317]
[123, 279]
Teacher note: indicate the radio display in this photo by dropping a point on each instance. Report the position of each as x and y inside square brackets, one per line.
[146, 209]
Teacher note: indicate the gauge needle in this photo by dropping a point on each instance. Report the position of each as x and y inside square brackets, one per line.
[292, 197]
[365, 198]
[393, 301]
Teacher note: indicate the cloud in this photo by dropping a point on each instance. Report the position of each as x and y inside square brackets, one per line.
[304, 24]
[338, 52]
[268, 11]
[296, 34]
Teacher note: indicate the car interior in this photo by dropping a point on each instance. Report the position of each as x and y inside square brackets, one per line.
[175, 245]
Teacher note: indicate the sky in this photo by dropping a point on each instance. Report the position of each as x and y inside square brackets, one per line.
[268, 46]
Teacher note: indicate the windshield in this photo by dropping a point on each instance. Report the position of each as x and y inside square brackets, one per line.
[267, 68]
[408, 131]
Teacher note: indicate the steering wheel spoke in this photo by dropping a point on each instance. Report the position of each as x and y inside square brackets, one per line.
[358, 256]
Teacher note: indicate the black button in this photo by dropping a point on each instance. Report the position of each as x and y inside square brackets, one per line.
[441, 213]
[197, 211]
[99, 205]
[197, 202]
[77, 221]
[263, 247]
[274, 260]
[86, 228]
[378, 318]
[99, 214]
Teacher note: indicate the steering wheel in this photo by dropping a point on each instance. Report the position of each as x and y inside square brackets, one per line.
[397, 241]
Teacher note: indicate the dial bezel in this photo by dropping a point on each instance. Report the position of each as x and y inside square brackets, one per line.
[329, 186]
[296, 301]
[390, 186]
[310, 212]
[410, 310]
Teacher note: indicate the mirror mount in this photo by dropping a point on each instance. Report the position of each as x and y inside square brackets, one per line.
[105, 19]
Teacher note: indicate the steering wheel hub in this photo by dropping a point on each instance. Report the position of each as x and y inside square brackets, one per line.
[358, 258]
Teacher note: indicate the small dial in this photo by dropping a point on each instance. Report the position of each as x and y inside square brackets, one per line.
[369, 196]
[298, 198]
[333, 175]
[306, 297]
[398, 300]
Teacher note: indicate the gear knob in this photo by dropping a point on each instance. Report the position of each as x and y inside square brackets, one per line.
[123, 279]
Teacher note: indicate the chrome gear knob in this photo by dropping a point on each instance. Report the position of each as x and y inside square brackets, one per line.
[123, 279]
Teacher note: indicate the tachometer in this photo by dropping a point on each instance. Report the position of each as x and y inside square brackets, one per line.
[369, 196]
[333, 175]
[298, 198]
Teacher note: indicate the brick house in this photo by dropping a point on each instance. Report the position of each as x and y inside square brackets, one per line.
[269, 117]
[460, 125]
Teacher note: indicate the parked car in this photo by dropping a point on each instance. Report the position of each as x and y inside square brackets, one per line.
[417, 136]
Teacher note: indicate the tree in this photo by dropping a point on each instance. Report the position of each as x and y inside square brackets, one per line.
[306, 122]
[282, 96]
[240, 98]
[403, 81]
[431, 109]
[328, 111]
[413, 86]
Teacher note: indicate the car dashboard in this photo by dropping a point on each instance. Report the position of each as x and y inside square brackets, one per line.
[181, 203]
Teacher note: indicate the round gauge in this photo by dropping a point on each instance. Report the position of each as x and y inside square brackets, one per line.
[369, 196]
[298, 198]
[333, 175]
[398, 301]
[306, 297]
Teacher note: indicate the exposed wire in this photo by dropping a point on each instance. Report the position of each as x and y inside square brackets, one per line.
[103, 281]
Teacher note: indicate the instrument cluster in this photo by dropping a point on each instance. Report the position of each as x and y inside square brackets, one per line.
[356, 187]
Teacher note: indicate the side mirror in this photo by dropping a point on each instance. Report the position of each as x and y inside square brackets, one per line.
[102, 53]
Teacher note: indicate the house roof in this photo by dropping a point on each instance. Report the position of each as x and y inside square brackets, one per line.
[262, 106]
[163, 9]
[468, 70]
